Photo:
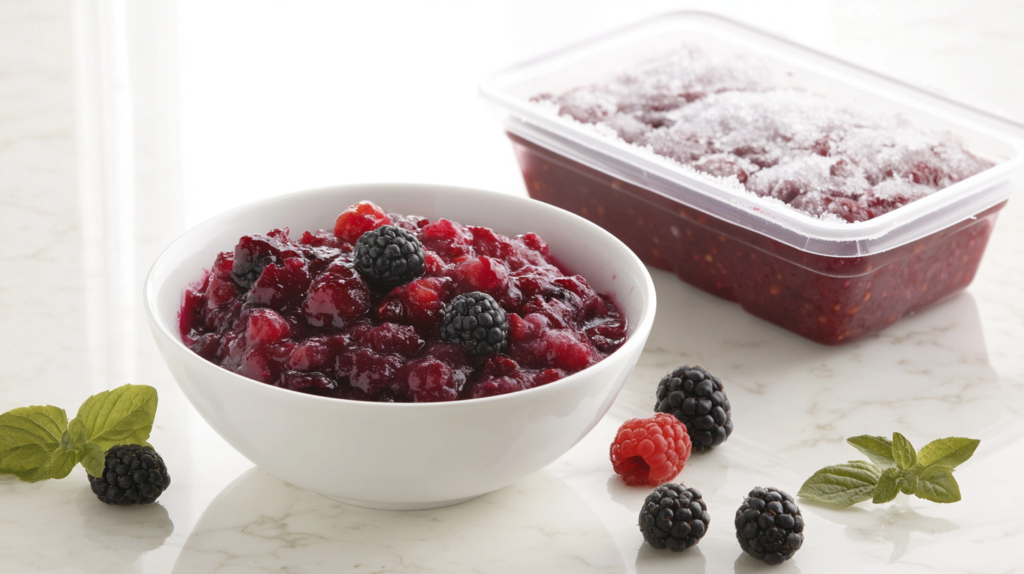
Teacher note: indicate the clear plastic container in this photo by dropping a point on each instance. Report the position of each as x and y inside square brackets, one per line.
[832, 282]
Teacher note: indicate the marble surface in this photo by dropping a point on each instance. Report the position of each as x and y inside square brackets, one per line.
[122, 123]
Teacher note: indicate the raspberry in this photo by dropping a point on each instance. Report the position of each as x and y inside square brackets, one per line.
[339, 294]
[393, 338]
[650, 451]
[482, 274]
[358, 219]
[281, 286]
[266, 326]
[431, 381]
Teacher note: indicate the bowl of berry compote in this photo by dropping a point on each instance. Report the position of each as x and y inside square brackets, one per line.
[400, 346]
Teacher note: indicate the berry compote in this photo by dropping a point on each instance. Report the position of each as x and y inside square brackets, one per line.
[296, 314]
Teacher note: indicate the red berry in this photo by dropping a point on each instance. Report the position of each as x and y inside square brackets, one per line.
[337, 295]
[431, 381]
[482, 274]
[312, 383]
[358, 219]
[650, 451]
[393, 338]
[281, 286]
[257, 364]
[266, 326]
[370, 372]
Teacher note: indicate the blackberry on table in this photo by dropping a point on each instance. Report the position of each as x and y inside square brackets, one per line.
[674, 517]
[697, 399]
[389, 256]
[132, 474]
[769, 525]
[476, 321]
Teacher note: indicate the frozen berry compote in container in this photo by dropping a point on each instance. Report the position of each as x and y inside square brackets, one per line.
[822, 197]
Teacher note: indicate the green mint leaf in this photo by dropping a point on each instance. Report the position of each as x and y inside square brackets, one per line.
[60, 464]
[120, 416]
[75, 436]
[949, 452]
[842, 484]
[877, 448]
[903, 452]
[888, 486]
[92, 456]
[908, 485]
[28, 438]
[937, 484]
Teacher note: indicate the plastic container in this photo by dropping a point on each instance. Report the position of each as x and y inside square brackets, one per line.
[832, 282]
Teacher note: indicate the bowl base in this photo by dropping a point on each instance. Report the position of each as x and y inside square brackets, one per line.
[402, 505]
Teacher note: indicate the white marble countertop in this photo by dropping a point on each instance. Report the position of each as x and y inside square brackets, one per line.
[123, 123]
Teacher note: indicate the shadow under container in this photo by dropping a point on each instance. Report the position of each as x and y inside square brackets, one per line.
[830, 282]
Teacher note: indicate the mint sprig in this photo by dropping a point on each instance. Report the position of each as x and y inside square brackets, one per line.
[894, 467]
[38, 442]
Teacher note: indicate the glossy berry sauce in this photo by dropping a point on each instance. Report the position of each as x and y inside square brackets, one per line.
[295, 314]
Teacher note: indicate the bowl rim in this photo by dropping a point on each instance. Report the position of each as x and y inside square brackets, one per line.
[644, 324]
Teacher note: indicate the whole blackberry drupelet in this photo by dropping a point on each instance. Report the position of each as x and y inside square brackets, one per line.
[697, 399]
[674, 517]
[476, 321]
[769, 525]
[132, 474]
[389, 256]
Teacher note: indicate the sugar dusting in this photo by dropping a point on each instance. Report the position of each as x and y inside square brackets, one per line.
[728, 116]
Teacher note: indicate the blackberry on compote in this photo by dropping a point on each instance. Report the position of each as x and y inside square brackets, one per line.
[769, 525]
[389, 256]
[132, 474]
[476, 321]
[697, 399]
[674, 517]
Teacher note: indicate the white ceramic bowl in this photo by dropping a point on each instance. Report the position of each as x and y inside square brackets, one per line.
[402, 456]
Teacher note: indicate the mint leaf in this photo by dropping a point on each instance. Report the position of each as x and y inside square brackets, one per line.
[842, 484]
[888, 486]
[877, 448]
[909, 483]
[950, 452]
[937, 484]
[903, 451]
[29, 437]
[92, 456]
[58, 466]
[75, 436]
[120, 416]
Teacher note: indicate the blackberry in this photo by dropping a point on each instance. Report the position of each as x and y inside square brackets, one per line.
[476, 321]
[674, 517]
[769, 525]
[132, 474]
[389, 256]
[697, 399]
